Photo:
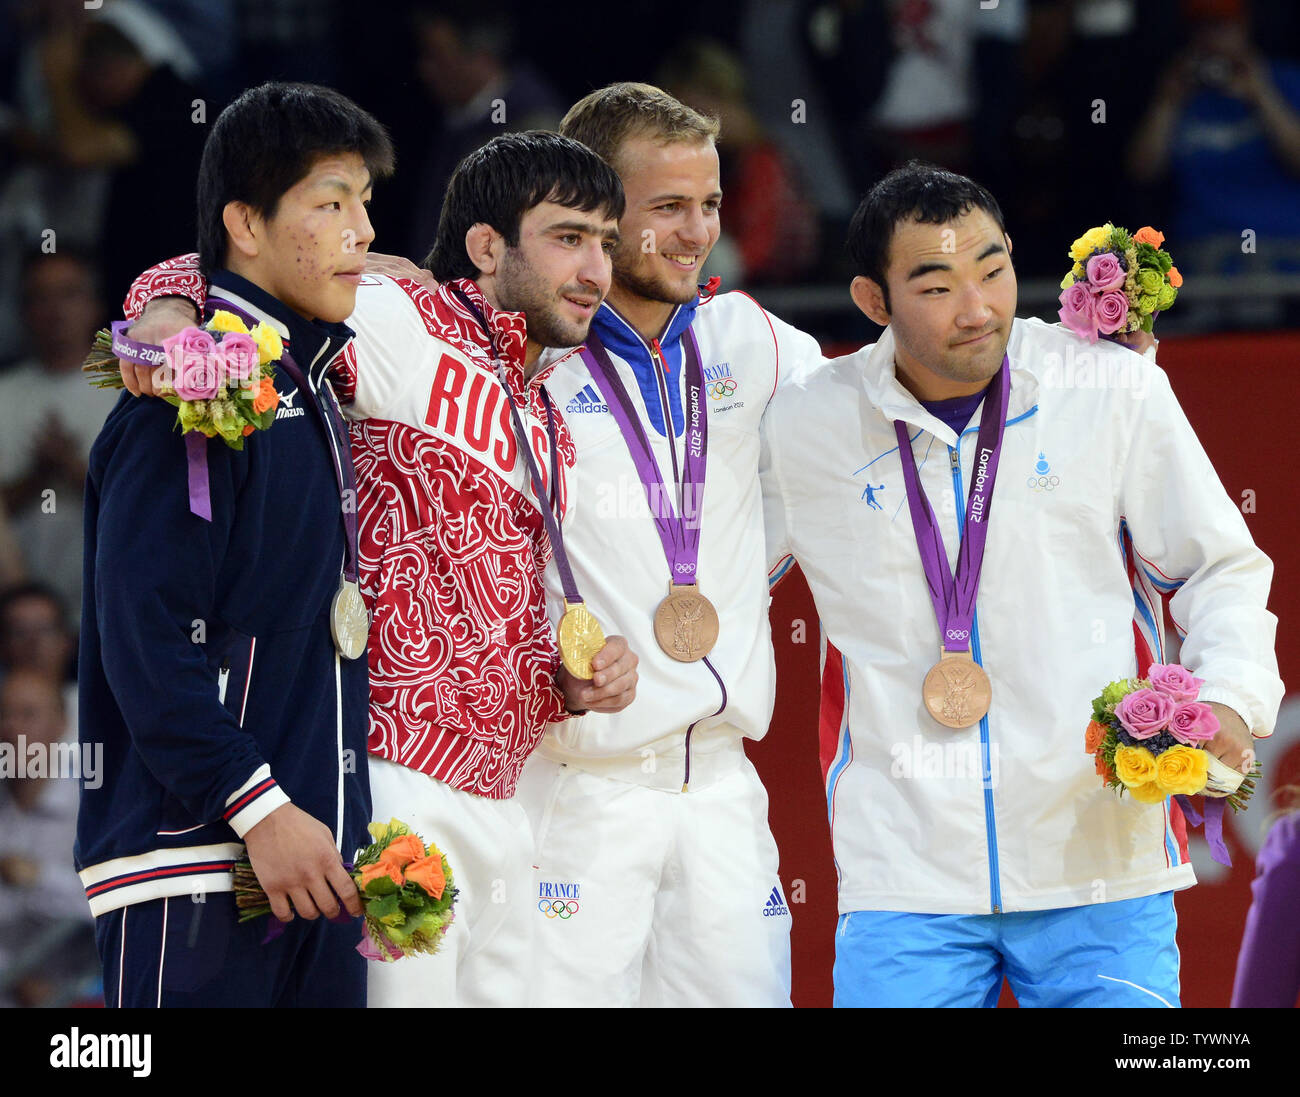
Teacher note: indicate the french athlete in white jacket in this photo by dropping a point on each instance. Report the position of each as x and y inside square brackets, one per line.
[656, 871]
[964, 855]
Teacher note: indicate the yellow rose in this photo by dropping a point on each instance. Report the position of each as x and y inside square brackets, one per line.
[226, 321]
[269, 346]
[1089, 241]
[1135, 766]
[1150, 793]
[1182, 770]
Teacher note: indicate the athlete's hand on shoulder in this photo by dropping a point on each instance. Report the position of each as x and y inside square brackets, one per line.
[1232, 744]
[296, 862]
[162, 318]
[397, 266]
[612, 685]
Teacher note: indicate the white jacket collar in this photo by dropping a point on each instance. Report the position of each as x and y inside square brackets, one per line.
[875, 362]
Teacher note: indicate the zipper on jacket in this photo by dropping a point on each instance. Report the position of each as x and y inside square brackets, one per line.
[223, 679]
[990, 827]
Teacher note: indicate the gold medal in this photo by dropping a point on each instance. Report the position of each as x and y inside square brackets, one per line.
[957, 691]
[349, 620]
[686, 624]
[580, 638]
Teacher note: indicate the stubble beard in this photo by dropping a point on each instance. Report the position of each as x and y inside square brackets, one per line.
[521, 289]
[953, 365]
[630, 278]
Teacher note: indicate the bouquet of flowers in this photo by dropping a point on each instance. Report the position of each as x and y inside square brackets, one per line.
[1118, 283]
[219, 376]
[1148, 738]
[406, 888]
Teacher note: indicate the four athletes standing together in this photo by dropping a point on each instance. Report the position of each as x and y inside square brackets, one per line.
[475, 424]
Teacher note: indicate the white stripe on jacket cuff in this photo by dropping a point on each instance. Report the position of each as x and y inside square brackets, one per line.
[254, 800]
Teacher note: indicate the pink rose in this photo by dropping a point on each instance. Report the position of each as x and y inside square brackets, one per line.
[1144, 713]
[1193, 723]
[1112, 311]
[1077, 311]
[1175, 681]
[196, 367]
[240, 355]
[1104, 272]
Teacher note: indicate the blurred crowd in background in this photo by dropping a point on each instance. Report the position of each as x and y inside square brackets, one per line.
[1183, 114]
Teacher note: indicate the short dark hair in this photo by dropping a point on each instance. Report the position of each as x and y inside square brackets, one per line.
[915, 192]
[501, 181]
[267, 141]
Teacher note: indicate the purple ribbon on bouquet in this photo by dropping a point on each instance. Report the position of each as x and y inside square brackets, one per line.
[1213, 820]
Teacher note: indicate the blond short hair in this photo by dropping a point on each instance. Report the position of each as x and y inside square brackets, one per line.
[607, 118]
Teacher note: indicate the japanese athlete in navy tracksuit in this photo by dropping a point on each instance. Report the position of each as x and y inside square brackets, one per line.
[211, 678]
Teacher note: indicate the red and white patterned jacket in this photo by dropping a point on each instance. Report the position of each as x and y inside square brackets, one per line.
[452, 543]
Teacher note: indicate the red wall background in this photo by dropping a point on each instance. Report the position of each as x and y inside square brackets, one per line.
[1242, 395]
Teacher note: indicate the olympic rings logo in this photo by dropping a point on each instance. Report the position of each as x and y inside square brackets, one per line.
[958, 634]
[719, 390]
[1044, 483]
[558, 908]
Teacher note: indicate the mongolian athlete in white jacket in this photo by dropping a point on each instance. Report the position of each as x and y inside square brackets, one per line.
[971, 853]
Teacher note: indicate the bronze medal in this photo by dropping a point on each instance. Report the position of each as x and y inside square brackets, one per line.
[957, 690]
[580, 638]
[686, 624]
[349, 620]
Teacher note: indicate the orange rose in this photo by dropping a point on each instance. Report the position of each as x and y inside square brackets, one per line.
[266, 396]
[375, 871]
[1175, 279]
[1147, 235]
[1095, 734]
[248, 429]
[427, 872]
[402, 851]
[1104, 771]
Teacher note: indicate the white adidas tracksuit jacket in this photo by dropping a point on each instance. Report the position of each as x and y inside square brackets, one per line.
[653, 816]
[1095, 444]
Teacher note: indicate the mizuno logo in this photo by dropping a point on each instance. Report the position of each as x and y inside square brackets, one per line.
[586, 402]
[286, 409]
[775, 907]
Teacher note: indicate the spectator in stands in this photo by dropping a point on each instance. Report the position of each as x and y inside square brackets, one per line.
[47, 936]
[465, 66]
[35, 635]
[1223, 129]
[926, 107]
[769, 215]
[50, 416]
[123, 100]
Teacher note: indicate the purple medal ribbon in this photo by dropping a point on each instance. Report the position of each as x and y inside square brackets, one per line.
[954, 598]
[335, 429]
[545, 504]
[679, 530]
